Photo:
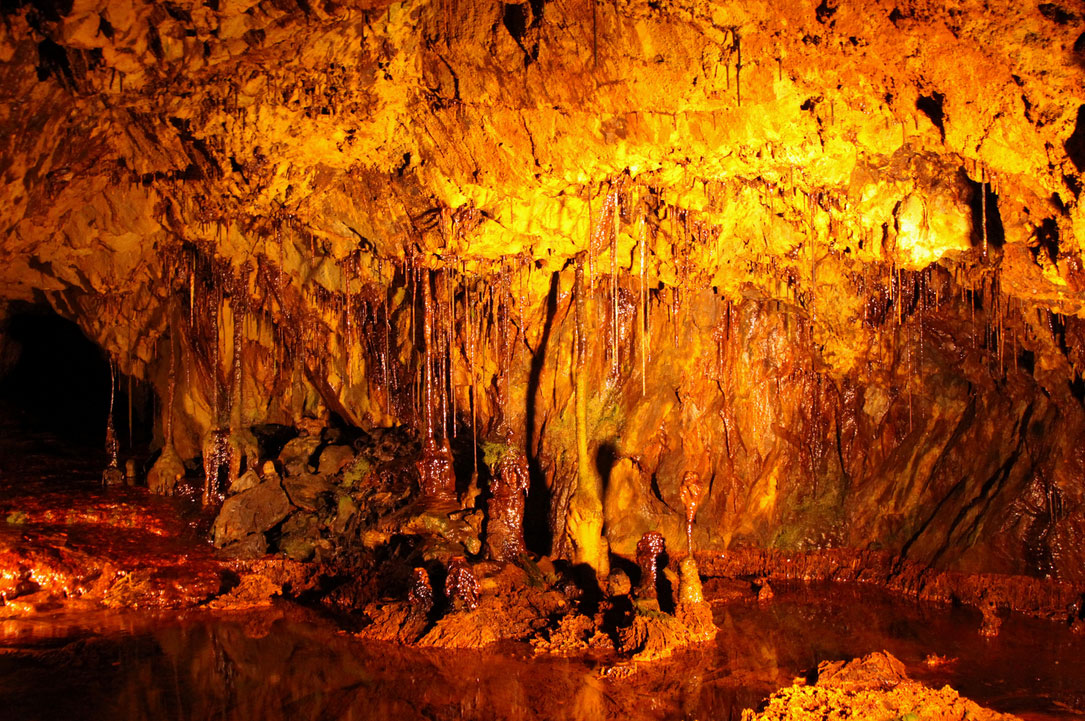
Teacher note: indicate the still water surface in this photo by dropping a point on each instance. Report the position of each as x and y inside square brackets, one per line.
[289, 663]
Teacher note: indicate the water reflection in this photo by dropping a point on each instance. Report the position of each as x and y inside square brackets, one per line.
[286, 663]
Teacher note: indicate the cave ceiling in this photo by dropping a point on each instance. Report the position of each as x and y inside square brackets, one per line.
[827, 255]
[483, 130]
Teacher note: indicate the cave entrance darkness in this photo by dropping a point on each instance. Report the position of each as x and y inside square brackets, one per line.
[54, 380]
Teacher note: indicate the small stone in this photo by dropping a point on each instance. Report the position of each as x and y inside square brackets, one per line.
[356, 471]
[269, 472]
[345, 510]
[618, 583]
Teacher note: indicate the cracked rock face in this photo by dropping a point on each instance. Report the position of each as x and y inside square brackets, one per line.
[833, 252]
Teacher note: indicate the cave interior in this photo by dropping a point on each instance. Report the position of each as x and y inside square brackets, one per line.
[568, 323]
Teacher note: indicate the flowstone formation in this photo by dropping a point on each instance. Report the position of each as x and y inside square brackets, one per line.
[797, 288]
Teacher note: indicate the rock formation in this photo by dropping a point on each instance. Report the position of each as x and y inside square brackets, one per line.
[824, 257]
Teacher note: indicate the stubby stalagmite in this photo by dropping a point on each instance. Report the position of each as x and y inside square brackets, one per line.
[505, 523]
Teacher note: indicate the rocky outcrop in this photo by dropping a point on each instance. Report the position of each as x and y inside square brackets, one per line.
[830, 254]
[874, 686]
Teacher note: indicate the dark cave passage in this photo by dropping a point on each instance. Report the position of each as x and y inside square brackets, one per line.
[54, 380]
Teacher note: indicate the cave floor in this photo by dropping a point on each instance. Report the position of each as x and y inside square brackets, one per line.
[65, 540]
[151, 628]
[68, 543]
[285, 661]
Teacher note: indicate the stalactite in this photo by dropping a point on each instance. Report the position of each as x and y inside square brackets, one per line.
[241, 444]
[440, 357]
[386, 346]
[427, 357]
[737, 40]
[216, 307]
[983, 209]
[614, 361]
[472, 343]
[642, 295]
[168, 468]
[435, 466]
[504, 346]
[112, 474]
[171, 386]
[345, 270]
[676, 307]
[450, 344]
[690, 492]
[131, 370]
[585, 518]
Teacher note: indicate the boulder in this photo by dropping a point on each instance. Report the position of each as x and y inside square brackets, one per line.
[245, 481]
[253, 545]
[301, 537]
[255, 510]
[296, 454]
[305, 490]
[334, 459]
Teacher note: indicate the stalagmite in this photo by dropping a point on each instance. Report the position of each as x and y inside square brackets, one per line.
[649, 548]
[505, 530]
[461, 585]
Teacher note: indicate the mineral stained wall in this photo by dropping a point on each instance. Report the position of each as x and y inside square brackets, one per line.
[827, 256]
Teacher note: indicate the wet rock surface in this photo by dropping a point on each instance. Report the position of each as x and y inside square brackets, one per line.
[857, 327]
[67, 544]
[255, 510]
[511, 322]
[875, 686]
[760, 650]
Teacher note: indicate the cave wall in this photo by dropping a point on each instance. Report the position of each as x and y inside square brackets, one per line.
[831, 253]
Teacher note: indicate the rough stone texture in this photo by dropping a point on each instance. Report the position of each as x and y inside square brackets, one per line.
[306, 489]
[874, 686]
[253, 511]
[333, 459]
[857, 225]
